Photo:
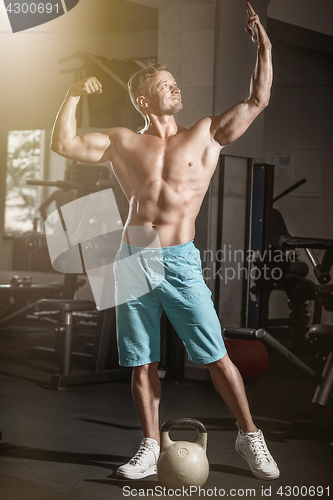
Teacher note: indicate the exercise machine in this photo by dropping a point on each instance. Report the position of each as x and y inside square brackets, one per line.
[278, 268]
[20, 296]
[321, 336]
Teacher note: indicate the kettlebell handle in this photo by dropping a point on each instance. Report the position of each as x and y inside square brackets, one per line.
[184, 422]
[166, 442]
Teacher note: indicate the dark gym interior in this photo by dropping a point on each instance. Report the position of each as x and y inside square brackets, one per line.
[265, 234]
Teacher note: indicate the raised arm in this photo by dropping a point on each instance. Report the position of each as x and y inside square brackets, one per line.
[229, 126]
[91, 147]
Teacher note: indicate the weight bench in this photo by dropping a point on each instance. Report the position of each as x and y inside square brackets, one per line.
[100, 359]
[66, 307]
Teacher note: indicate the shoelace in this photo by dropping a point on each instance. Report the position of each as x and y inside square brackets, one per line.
[142, 451]
[259, 448]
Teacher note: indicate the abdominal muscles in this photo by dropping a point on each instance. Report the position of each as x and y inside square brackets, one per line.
[169, 208]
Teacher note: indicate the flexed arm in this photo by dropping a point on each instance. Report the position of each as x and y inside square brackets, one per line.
[91, 147]
[229, 126]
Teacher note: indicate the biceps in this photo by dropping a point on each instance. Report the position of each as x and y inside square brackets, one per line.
[90, 148]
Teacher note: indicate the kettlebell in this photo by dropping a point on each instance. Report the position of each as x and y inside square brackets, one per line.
[182, 463]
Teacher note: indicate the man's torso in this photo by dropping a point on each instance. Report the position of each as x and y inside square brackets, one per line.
[165, 180]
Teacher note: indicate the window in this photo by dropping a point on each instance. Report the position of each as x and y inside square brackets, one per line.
[24, 161]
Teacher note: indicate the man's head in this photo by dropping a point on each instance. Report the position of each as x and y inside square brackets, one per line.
[150, 86]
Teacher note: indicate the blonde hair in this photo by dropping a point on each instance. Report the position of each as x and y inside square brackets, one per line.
[138, 84]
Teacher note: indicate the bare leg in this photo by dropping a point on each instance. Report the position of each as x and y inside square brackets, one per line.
[229, 384]
[146, 390]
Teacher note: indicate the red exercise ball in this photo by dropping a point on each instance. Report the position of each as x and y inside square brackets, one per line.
[250, 357]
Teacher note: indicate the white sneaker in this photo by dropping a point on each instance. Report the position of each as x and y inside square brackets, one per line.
[252, 447]
[143, 463]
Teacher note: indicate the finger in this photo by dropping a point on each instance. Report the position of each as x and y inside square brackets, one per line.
[253, 19]
[91, 85]
[251, 12]
[88, 87]
[85, 88]
[97, 84]
[99, 90]
[255, 34]
[250, 9]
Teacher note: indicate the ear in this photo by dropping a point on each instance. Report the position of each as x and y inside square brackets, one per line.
[142, 101]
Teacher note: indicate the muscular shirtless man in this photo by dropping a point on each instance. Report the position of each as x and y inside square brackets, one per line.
[165, 171]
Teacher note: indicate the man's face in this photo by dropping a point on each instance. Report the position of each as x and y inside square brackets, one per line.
[164, 96]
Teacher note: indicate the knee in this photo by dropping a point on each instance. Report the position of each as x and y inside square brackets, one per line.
[222, 366]
[142, 374]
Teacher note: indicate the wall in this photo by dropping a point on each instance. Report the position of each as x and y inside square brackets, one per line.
[300, 113]
[311, 14]
[186, 41]
[315, 15]
[234, 64]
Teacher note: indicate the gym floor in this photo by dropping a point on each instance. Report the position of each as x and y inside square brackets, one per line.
[67, 445]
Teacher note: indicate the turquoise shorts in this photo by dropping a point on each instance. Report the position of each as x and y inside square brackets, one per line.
[149, 280]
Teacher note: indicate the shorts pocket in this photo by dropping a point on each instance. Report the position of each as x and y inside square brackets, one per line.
[182, 268]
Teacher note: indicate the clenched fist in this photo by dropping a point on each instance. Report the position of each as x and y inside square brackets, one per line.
[86, 86]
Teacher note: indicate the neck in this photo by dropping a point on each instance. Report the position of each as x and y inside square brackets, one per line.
[161, 126]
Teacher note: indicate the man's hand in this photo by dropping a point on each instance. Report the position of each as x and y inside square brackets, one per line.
[86, 86]
[255, 28]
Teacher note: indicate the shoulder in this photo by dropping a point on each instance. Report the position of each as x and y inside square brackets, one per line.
[119, 133]
[122, 137]
[203, 128]
[202, 125]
